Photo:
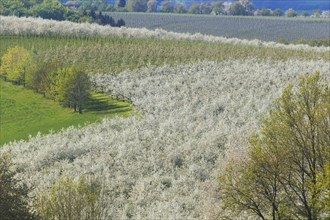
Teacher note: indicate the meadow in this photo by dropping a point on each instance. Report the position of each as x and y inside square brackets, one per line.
[262, 28]
[24, 113]
[199, 98]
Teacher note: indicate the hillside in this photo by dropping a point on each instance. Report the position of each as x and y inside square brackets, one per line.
[165, 164]
[199, 98]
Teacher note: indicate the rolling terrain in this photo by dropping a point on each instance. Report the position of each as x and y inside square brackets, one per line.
[199, 98]
[165, 164]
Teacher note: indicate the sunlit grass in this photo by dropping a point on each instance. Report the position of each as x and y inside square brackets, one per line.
[25, 113]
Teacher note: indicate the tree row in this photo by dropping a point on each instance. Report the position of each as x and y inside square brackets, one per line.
[68, 85]
[53, 9]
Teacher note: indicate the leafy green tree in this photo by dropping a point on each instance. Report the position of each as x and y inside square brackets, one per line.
[13, 194]
[52, 79]
[248, 6]
[205, 9]
[12, 7]
[50, 9]
[137, 5]
[324, 186]
[30, 3]
[167, 6]
[15, 64]
[237, 9]
[265, 12]
[283, 176]
[304, 14]
[69, 199]
[217, 7]
[73, 87]
[40, 76]
[238, 189]
[180, 8]
[302, 125]
[194, 9]
[291, 13]
[80, 93]
[37, 78]
[278, 12]
[72, 15]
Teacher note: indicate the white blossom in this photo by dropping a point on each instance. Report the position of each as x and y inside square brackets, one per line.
[163, 163]
[37, 26]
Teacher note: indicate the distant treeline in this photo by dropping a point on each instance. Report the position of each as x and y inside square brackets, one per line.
[307, 5]
[215, 7]
[73, 10]
[55, 10]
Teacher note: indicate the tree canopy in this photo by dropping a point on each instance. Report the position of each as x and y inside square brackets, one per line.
[137, 5]
[15, 64]
[286, 172]
[52, 9]
[167, 6]
[68, 85]
[69, 199]
[72, 87]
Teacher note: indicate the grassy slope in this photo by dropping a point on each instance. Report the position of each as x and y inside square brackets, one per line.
[24, 112]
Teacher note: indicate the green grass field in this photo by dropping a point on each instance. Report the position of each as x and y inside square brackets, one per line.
[24, 112]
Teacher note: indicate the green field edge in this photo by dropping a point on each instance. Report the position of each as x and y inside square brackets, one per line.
[24, 113]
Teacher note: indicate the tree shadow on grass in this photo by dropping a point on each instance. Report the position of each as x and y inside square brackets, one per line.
[106, 105]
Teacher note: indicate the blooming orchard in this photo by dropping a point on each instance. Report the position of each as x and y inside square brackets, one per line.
[37, 26]
[163, 163]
